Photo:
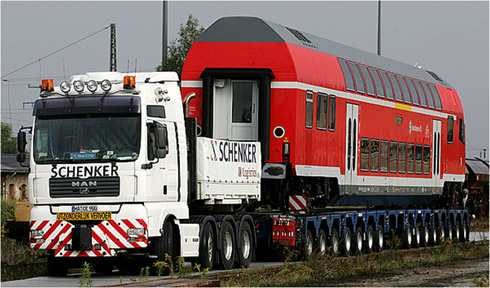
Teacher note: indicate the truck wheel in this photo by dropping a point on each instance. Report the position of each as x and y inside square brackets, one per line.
[308, 249]
[425, 235]
[407, 237]
[322, 241]
[432, 236]
[165, 244]
[416, 236]
[206, 247]
[379, 240]
[369, 243]
[450, 233]
[358, 241]
[456, 231]
[346, 243]
[228, 246]
[334, 243]
[56, 267]
[246, 245]
[464, 231]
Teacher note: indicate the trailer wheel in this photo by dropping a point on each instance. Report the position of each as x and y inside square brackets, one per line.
[56, 267]
[308, 249]
[369, 243]
[334, 243]
[456, 230]
[417, 238]
[206, 248]
[346, 243]
[246, 245]
[464, 231]
[358, 241]
[425, 235]
[322, 241]
[432, 236]
[450, 233]
[407, 237]
[379, 240]
[228, 246]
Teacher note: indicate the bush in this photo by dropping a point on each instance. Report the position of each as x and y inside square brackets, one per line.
[8, 210]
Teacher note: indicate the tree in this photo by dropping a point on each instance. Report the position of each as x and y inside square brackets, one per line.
[9, 143]
[178, 49]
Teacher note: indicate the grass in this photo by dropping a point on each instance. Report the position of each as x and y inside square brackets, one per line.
[480, 224]
[322, 270]
[19, 261]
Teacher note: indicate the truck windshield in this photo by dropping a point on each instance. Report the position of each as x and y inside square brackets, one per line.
[87, 138]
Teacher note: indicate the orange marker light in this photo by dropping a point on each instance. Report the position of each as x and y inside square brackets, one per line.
[47, 85]
[129, 82]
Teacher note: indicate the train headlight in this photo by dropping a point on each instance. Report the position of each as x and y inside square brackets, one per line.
[78, 86]
[106, 85]
[65, 86]
[136, 231]
[92, 86]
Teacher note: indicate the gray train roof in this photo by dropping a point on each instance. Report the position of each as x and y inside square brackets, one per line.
[252, 29]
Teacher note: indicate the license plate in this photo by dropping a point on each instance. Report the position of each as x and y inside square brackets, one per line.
[83, 216]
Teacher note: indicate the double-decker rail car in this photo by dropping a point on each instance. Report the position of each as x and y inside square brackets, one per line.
[338, 126]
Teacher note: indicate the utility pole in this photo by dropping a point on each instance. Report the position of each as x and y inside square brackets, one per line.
[379, 27]
[164, 31]
[113, 57]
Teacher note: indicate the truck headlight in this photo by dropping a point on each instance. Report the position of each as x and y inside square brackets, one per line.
[136, 231]
[37, 233]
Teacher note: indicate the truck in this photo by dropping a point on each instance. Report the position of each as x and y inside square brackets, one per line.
[125, 169]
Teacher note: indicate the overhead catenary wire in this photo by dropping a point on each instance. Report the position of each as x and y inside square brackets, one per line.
[52, 53]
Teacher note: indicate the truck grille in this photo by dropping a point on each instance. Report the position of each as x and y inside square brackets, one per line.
[90, 187]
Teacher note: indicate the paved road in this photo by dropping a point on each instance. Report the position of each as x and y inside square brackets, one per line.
[72, 280]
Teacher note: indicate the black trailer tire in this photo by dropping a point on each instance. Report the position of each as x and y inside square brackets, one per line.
[334, 243]
[464, 231]
[369, 243]
[207, 248]
[450, 233]
[56, 267]
[346, 242]
[432, 236]
[245, 251]
[456, 232]
[228, 246]
[425, 235]
[358, 241]
[379, 241]
[322, 241]
[417, 237]
[308, 247]
[407, 237]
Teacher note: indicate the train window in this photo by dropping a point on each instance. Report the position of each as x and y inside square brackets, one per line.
[387, 83]
[461, 130]
[349, 79]
[418, 159]
[357, 77]
[410, 157]
[364, 154]
[437, 98]
[413, 91]
[396, 87]
[393, 156]
[331, 113]
[369, 80]
[384, 156]
[321, 111]
[426, 167]
[380, 90]
[420, 91]
[309, 109]
[402, 157]
[430, 100]
[374, 155]
[450, 129]
[406, 94]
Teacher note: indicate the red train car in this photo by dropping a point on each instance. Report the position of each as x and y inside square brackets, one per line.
[337, 125]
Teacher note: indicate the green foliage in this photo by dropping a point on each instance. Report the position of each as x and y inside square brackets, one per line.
[144, 273]
[178, 49]
[202, 273]
[19, 261]
[160, 266]
[9, 143]
[481, 282]
[85, 279]
[8, 210]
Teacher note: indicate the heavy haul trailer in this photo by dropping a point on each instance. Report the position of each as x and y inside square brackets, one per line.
[120, 175]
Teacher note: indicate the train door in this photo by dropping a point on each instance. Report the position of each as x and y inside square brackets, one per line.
[235, 109]
[436, 153]
[351, 133]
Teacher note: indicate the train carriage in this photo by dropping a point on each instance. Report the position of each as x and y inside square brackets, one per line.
[337, 125]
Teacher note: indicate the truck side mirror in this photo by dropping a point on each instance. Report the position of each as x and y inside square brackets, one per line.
[161, 138]
[21, 141]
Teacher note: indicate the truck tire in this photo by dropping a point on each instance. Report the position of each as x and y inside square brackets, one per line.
[369, 243]
[346, 243]
[463, 232]
[246, 245]
[308, 248]
[425, 235]
[334, 243]
[56, 267]
[407, 237]
[379, 239]
[432, 236]
[322, 241]
[416, 236]
[228, 247]
[456, 230]
[207, 247]
[165, 244]
[358, 241]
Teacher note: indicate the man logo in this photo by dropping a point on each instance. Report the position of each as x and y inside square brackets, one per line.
[84, 184]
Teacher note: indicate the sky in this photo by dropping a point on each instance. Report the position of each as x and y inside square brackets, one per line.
[450, 38]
